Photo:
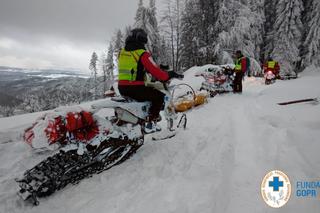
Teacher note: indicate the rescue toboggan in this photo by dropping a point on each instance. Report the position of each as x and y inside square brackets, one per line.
[191, 99]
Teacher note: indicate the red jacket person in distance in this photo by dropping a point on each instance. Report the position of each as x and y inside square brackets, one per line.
[240, 69]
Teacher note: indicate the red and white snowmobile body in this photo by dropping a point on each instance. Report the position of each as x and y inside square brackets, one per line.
[270, 78]
[218, 81]
[75, 125]
[137, 109]
[54, 129]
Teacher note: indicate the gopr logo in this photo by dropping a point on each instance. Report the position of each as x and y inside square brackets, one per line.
[276, 189]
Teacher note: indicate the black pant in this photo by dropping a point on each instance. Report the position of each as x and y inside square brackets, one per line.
[237, 83]
[143, 93]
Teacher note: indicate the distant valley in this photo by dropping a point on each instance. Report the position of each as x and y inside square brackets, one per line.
[50, 87]
[14, 82]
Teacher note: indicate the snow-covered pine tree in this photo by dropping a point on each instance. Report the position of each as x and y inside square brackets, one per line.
[190, 34]
[108, 68]
[239, 27]
[31, 103]
[199, 31]
[111, 60]
[165, 52]
[139, 18]
[127, 31]
[109, 57]
[306, 19]
[6, 111]
[307, 14]
[257, 26]
[312, 42]
[270, 10]
[153, 31]
[146, 20]
[93, 68]
[209, 15]
[104, 67]
[287, 34]
[172, 24]
[118, 42]
[227, 11]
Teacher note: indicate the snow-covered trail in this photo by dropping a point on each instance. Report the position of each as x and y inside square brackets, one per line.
[216, 165]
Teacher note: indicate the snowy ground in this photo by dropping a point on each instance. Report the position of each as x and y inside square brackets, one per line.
[216, 165]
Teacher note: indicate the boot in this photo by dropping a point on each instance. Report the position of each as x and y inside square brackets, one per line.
[151, 127]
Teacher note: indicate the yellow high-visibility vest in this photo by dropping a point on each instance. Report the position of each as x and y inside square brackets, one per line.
[238, 65]
[271, 64]
[128, 64]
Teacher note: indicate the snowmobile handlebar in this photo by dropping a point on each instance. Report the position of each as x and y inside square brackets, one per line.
[173, 74]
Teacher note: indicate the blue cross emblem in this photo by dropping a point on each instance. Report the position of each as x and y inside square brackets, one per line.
[276, 184]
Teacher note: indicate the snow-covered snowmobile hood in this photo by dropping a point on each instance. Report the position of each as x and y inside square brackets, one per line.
[139, 109]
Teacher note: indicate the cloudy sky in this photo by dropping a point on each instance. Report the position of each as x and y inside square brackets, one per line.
[59, 33]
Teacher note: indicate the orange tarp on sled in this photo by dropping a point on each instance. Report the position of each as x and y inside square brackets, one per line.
[185, 104]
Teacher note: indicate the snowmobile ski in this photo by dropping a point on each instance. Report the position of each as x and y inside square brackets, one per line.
[163, 135]
[171, 132]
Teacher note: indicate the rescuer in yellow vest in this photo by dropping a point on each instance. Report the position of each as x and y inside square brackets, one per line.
[273, 66]
[134, 63]
[240, 69]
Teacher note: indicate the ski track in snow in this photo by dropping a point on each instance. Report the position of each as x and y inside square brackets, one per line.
[216, 165]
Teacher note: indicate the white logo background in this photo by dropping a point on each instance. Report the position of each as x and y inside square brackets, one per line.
[276, 189]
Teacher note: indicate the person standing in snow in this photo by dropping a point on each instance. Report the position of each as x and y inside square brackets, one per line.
[134, 63]
[240, 69]
[273, 66]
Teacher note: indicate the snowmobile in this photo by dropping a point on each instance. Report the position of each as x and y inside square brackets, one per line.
[75, 162]
[220, 81]
[269, 77]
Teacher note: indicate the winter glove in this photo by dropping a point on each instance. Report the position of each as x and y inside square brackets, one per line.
[164, 67]
[175, 75]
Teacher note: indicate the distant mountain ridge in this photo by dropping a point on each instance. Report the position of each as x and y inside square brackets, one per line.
[46, 72]
[32, 90]
[16, 82]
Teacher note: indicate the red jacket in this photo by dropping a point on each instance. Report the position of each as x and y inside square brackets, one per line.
[244, 64]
